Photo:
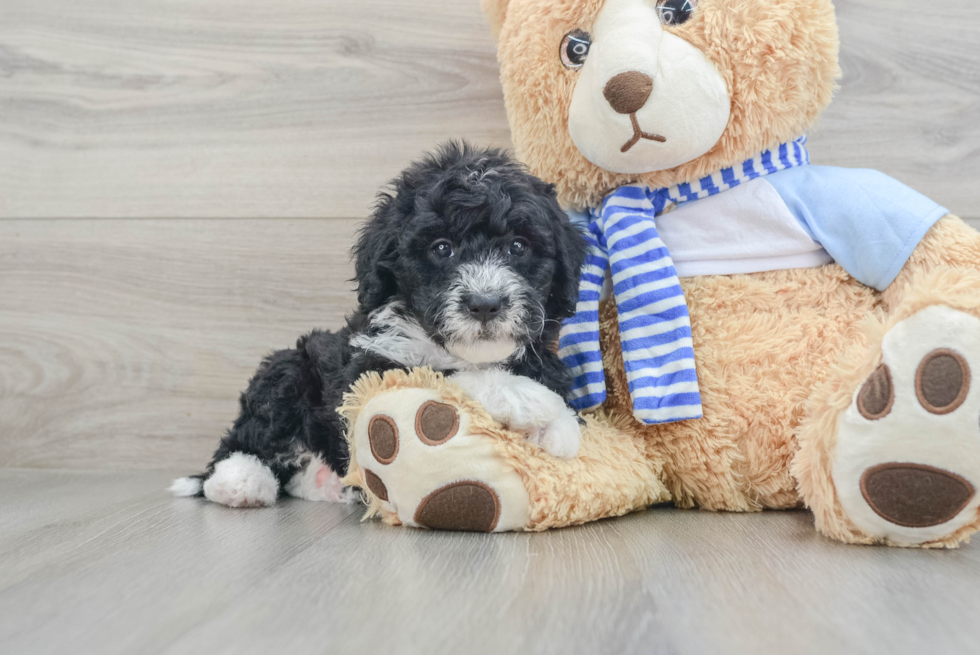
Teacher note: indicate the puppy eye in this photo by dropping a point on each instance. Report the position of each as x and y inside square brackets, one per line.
[575, 48]
[675, 12]
[442, 248]
[518, 247]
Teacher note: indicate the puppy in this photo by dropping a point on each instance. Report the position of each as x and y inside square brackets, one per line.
[467, 266]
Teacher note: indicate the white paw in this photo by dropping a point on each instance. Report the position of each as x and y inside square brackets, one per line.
[907, 461]
[242, 481]
[559, 438]
[317, 481]
[524, 405]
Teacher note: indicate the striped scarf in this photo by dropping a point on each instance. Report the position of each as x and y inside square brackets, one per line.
[654, 324]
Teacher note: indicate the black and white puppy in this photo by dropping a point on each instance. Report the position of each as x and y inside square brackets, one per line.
[467, 266]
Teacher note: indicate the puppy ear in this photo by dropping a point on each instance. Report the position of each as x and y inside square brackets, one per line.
[496, 11]
[570, 252]
[375, 254]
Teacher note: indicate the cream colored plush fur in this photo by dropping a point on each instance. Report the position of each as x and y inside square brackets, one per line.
[781, 356]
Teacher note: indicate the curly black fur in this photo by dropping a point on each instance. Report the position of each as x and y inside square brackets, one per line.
[480, 200]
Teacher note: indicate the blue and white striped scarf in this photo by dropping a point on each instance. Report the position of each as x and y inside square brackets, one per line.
[654, 324]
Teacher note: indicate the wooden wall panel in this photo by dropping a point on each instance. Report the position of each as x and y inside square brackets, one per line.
[302, 108]
[125, 343]
[232, 108]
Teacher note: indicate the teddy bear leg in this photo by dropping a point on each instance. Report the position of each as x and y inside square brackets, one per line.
[890, 450]
[426, 455]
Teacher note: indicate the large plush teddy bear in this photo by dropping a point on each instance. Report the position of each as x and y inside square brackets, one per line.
[822, 347]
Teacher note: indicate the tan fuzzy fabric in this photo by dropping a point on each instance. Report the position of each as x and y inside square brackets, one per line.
[950, 243]
[779, 60]
[762, 342]
[612, 475]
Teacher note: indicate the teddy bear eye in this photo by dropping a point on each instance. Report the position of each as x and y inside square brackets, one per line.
[675, 12]
[575, 48]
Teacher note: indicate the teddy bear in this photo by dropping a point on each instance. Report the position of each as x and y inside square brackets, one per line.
[754, 331]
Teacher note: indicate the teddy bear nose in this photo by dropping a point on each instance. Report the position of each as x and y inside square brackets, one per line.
[629, 91]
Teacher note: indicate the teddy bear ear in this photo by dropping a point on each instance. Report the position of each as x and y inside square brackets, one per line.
[496, 11]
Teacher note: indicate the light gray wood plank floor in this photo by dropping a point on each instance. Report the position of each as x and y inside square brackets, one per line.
[106, 562]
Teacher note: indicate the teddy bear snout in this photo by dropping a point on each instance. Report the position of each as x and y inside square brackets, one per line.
[629, 91]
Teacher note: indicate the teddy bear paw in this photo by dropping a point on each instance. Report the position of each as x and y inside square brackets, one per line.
[907, 460]
[421, 461]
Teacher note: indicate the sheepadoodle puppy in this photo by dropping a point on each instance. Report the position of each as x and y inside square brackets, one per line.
[467, 266]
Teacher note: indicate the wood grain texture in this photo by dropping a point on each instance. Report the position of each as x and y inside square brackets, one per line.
[125, 343]
[302, 108]
[909, 102]
[118, 567]
[232, 108]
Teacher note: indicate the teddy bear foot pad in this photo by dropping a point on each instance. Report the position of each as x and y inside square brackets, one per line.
[430, 469]
[907, 461]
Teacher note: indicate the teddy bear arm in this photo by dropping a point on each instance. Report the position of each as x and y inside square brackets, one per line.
[950, 243]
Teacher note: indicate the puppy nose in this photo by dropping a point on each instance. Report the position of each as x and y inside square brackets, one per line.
[629, 91]
[484, 308]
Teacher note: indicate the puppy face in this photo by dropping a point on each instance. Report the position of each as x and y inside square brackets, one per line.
[474, 250]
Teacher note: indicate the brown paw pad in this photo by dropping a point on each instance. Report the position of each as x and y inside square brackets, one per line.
[877, 395]
[436, 423]
[942, 381]
[469, 506]
[383, 436]
[915, 495]
[375, 484]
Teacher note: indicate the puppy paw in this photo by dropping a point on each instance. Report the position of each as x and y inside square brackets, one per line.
[560, 438]
[523, 405]
[317, 481]
[242, 481]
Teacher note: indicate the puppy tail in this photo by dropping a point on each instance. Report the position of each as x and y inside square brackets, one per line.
[188, 487]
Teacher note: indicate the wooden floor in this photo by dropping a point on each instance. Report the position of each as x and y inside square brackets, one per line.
[105, 563]
[180, 182]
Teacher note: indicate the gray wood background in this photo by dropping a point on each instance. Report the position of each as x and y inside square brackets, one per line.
[180, 182]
